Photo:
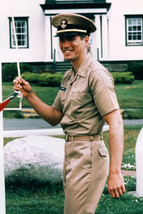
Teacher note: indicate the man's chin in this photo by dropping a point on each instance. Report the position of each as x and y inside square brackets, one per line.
[68, 58]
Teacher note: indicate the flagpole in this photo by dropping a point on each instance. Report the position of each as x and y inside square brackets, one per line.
[19, 94]
[2, 177]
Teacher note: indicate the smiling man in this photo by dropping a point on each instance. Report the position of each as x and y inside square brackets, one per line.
[86, 99]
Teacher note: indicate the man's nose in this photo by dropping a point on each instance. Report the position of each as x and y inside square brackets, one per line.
[65, 41]
[65, 44]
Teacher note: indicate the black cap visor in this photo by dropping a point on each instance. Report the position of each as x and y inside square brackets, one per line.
[70, 34]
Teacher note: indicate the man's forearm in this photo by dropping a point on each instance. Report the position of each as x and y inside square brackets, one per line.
[116, 139]
[48, 113]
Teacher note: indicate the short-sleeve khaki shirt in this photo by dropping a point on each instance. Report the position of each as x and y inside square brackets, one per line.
[85, 97]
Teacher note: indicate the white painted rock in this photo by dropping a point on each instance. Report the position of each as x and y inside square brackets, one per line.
[34, 159]
[139, 164]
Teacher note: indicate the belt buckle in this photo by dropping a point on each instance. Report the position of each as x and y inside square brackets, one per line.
[66, 137]
[90, 137]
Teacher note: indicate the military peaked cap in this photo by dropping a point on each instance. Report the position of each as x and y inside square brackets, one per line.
[72, 24]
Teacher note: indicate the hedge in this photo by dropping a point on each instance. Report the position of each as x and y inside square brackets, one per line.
[45, 79]
[9, 71]
[48, 79]
[30, 77]
[137, 69]
[123, 77]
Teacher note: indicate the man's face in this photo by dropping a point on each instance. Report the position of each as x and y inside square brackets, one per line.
[73, 47]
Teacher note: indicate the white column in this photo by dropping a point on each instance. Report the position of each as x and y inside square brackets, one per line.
[93, 44]
[108, 35]
[2, 178]
[52, 43]
[47, 39]
[59, 55]
[105, 37]
[98, 37]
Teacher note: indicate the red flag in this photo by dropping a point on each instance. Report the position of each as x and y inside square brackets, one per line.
[4, 103]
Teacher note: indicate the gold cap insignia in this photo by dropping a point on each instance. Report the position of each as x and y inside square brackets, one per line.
[64, 23]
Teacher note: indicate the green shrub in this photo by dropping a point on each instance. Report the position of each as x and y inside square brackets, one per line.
[133, 114]
[30, 77]
[123, 77]
[13, 114]
[47, 79]
[25, 68]
[137, 69]
[10, 71]
[44, 79]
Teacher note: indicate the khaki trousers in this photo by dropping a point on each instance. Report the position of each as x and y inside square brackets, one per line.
[86, 168]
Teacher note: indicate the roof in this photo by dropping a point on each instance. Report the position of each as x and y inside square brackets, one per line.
[83, 4]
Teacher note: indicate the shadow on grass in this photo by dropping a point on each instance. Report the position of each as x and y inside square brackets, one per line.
[49, 199]
[34, 198]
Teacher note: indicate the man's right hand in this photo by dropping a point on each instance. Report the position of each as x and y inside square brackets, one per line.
[22, 85]
[48, 113]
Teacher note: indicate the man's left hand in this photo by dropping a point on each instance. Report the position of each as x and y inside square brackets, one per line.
[116, 185]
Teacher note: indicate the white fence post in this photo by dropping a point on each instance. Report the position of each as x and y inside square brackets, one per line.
[139, 164]
[2, 178]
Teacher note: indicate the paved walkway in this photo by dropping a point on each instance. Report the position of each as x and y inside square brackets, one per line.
[26, 124]
[26, 127]
[129, 173]
[133, 122]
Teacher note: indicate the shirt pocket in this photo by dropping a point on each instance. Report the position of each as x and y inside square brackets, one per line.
[80, 98]
[80, 103]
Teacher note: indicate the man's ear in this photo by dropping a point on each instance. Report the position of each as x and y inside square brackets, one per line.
[87, 39]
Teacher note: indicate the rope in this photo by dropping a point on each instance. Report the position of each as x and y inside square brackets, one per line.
[16, 45]
[19, 94]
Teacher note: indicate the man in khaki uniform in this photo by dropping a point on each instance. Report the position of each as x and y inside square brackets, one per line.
[86, 99]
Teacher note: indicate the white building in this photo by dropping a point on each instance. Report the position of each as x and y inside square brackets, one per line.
[119, 35]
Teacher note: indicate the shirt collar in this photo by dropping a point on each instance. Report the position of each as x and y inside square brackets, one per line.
[83, 67]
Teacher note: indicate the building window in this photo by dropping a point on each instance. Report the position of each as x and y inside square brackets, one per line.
[21, 28]
[134, 30]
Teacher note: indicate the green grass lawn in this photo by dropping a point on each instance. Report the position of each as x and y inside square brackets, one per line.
[130, 138]
[49, 201]
[46, 199]
[130, 96]
[46, 94]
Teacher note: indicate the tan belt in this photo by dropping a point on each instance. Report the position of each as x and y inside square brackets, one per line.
[84, 138]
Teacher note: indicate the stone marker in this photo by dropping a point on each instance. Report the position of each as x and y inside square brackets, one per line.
[139, 164]
[36, 159]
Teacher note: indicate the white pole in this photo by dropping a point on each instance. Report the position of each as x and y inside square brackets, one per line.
[2, 178]
[139, 164]
[16, 46]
